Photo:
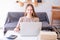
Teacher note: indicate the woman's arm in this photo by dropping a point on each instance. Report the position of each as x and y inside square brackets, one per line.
[18, 25]
[17, 28]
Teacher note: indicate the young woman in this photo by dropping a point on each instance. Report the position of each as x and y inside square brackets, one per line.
[29, 16]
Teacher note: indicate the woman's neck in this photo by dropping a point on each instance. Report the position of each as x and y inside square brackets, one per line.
[29, 16]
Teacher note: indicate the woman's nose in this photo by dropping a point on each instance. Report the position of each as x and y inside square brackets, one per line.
[29, 11]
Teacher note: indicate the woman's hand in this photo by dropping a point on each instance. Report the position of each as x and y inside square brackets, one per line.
[17, 29]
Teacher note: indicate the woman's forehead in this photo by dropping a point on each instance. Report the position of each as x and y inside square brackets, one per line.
[29, 7]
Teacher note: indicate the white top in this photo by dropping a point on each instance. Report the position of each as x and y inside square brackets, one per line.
[25, 19]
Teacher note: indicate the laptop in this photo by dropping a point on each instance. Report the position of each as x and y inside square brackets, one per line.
[30, 28]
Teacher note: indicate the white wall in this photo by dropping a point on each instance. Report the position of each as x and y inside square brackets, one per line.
[11, 5]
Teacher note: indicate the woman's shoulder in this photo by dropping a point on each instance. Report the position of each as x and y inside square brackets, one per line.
[22, 17]
[36, 17]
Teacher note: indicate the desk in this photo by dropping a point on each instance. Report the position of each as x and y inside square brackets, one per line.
[19, 37]
[43, 35]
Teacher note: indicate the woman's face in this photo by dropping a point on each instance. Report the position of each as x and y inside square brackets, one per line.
[29, 10]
